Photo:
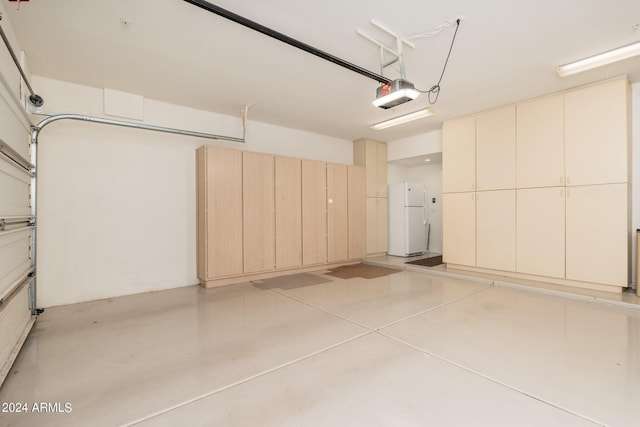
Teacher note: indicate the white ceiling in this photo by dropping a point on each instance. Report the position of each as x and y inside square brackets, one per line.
[506, 51]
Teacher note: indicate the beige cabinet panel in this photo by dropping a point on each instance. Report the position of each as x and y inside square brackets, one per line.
[314, 212]
[597, 234]
[496, 149]
[258, 212]
[377, 217]
[357, 208]
[381, 169]
[496, 230]
[459, 228]
[337, 209]
[288, 191]
[541, 231]
[383, 228]
[372, 225]
[373, 156]
[459, 155]
[596, 133]
[223, 216]
[540, 142]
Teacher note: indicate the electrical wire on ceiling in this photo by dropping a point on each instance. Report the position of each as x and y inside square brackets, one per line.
[434, 91]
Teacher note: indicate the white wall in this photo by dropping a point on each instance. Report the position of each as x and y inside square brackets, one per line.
[419, 145]
[116, 206]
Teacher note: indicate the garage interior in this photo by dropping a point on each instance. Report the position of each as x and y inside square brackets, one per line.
[197, 225]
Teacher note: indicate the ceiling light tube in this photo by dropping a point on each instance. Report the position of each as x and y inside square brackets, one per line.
[599, 60]
[426, 112]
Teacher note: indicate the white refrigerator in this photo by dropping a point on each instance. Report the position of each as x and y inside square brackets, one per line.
[407, 219]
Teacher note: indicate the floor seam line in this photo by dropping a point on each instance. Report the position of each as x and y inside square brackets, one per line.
[427, 310]
[246, 380]
[369, 328]
[487, 377]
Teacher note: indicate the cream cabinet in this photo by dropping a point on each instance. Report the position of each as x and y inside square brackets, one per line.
[337, 213]
[551, 187]
[288, 207]
[496, 230]
[459, 228]
[373, 156]
[540, 235]
[357, 212]
[459, 155]
[258, 212]
[540, 142]
[596, 133]
[314, 212]
[377, 217]
[496, 149]
[597, 234]
[219, 188]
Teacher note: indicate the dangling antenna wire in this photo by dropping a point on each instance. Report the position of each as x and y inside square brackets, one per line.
[435, 89]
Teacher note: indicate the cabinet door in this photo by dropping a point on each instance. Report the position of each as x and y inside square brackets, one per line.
[371, 163]
[258, 212]
[597, 134]
[540, 143]
[540, 231]
[496, 149]
[496, 230]
[357, 208]
[382, 224]
[459, 155]
[314, 212]
[597, 236]
[224, 212]
[337, 231]
[459, 228]
[288, 172]
[372, 225]
[381, 169]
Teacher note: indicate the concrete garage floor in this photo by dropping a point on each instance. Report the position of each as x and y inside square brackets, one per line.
[406, 349]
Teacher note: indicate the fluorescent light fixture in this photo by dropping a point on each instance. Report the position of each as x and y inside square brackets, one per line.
[426, 112]
[599, 60]
[395, 93]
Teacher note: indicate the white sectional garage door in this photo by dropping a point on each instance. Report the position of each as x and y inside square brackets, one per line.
[17, 220]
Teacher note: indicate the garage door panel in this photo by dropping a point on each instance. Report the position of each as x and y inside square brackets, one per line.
[15, 258]
[15, 129]
[14, 197]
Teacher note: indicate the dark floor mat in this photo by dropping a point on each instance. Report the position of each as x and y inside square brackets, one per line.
[427, 262]
[365, 271]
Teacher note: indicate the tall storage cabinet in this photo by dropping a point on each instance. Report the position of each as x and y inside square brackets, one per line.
[260, 215]
[219, 212]
[597, 234]
[258, 212]
[337, 218]
[373, 156]
[496, 230]
[459, 155]
[540, 232]
[357, 212]
[551, 188]
[496, 149]
[288, 206]
[459, 228]
[314, 212]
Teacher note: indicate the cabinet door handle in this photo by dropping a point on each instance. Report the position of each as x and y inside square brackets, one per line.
[561, 180]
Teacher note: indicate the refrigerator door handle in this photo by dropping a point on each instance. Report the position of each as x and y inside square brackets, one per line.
[424, 207]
